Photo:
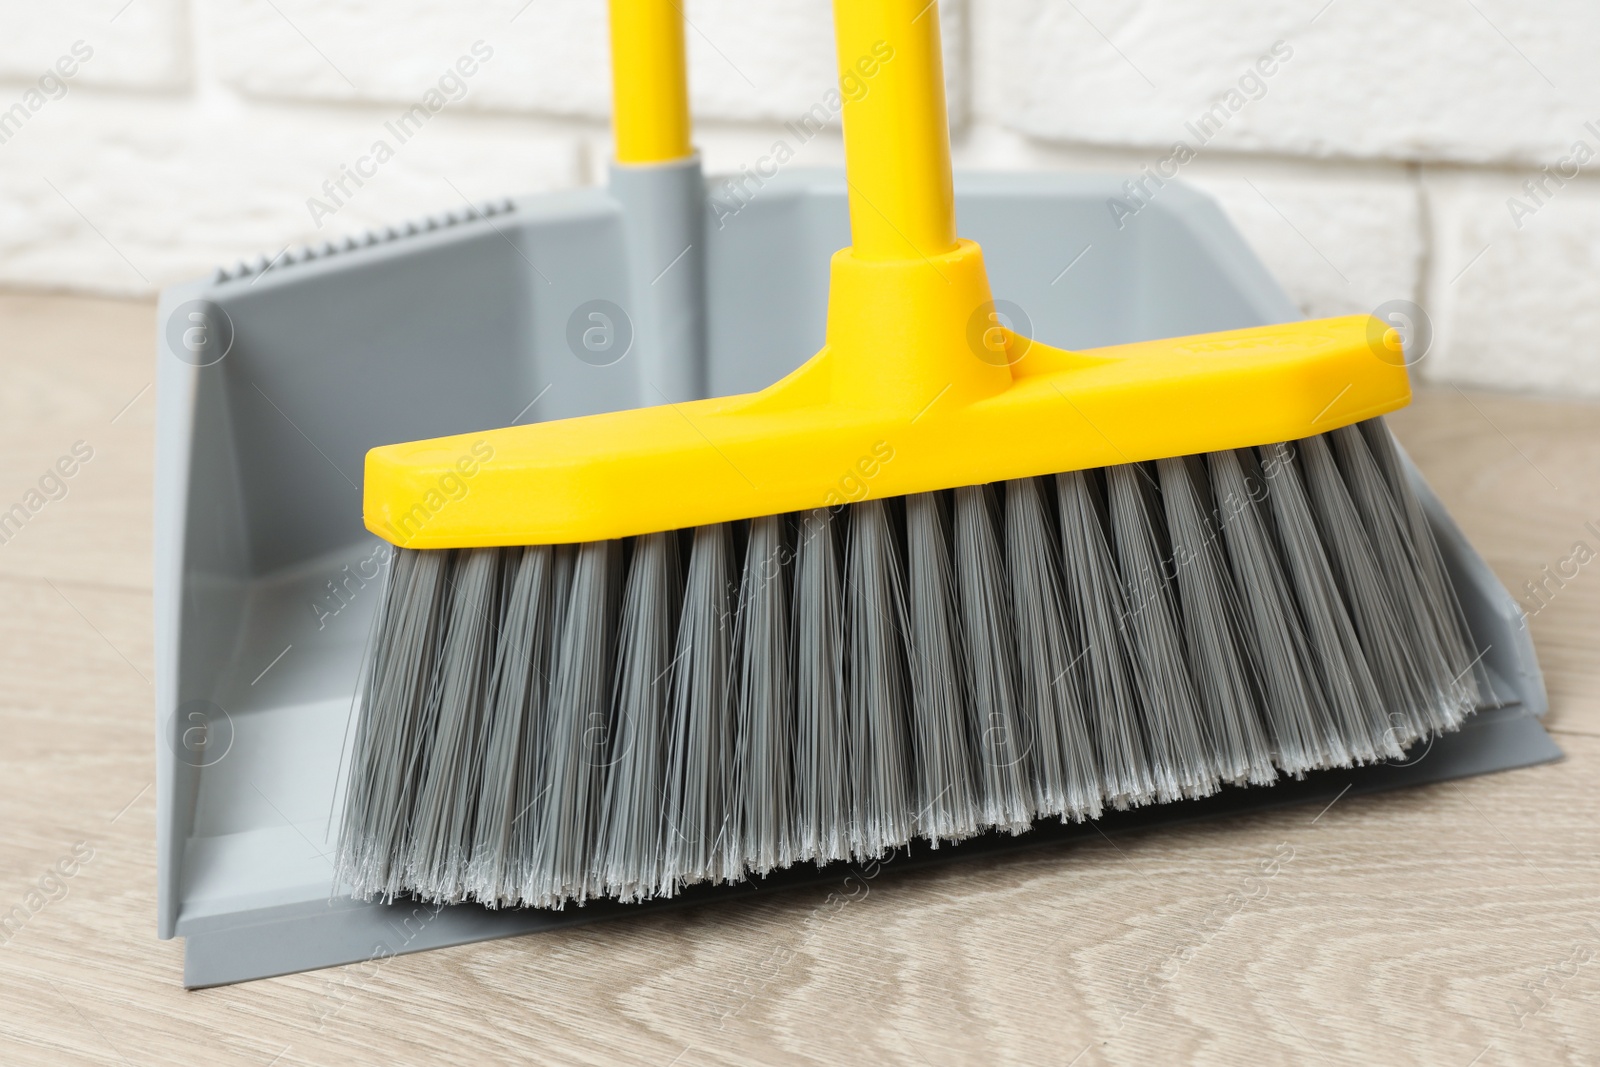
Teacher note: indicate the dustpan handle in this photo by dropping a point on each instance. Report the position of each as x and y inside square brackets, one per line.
[649, 83]
[896, 128]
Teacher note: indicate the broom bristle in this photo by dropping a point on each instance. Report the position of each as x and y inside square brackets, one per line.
[1180, 751]
[1303, 735]
[629, 861]
[878, 717]
[945, 798]
[443, 822]
[1004, 750]
[1089, 582]
[1212, 626]
[1066, 775]
[401, 660]
[821, 750]
[1415, 570]
[766, 702]
[1345, 679]
[700, 838]
[577, 726]
[542, 726]
[514, 723]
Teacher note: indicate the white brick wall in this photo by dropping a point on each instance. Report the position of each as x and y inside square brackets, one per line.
[1370, 158]
[1516, 306]
[143, 46]
[1416, 80]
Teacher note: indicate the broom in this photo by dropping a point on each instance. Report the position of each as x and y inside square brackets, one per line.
[655, 648]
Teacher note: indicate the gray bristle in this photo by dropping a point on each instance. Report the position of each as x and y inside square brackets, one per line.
[546, 725]
[442, 820]
[395, 690]
[946, 801]
[822, 797]
[513, 725]
[700, 837]
[1303, 735]
[1212, 626]
[878, 761]
[528, 829]
[1425, 568]
[1090, 580]
[766, 702]
[1180, 750]
[1404, 688]
[1003, 742]
[1347, 684]
[577, 730]
[629, 861]
[1439, 652]
[1066, 779]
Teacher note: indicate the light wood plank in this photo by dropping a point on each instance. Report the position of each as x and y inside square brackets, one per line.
[72, 366]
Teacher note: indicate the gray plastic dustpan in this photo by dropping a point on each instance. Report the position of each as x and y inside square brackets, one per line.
[274, 384]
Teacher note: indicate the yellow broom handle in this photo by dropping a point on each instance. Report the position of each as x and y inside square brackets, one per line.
[896, 129]
[649, 84]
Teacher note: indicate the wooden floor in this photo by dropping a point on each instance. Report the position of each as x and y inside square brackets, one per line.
[1456, 924]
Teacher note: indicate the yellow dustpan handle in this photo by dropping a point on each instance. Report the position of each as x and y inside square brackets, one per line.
[649, 85]
[896, 129]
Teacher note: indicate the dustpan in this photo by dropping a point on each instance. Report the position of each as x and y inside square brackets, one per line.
[275, 382]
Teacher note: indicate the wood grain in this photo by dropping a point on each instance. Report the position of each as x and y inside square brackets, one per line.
[1454, 924]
